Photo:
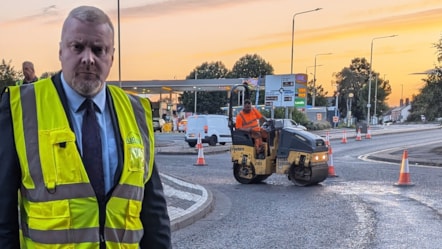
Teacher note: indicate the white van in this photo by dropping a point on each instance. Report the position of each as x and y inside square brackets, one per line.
[213, 129]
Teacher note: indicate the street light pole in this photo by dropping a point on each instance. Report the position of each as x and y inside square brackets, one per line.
[336, 106]
[349, 100]
[119, 46]
[375, 98]
[314, 80]
[194, 108]
[306, 68]
[293, 33]
[402, 92]
[371, 75]
[376, 95]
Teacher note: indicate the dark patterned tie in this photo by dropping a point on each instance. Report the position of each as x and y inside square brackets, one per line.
[91, 142]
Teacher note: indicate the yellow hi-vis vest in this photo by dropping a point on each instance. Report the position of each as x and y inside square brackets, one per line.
[20, 82]
[59, 208]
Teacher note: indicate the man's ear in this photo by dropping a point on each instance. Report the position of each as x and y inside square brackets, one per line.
[59, 51]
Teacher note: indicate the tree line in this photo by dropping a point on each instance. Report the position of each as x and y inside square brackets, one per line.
[428, 101]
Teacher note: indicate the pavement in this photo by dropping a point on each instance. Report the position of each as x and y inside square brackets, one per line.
[188, 202]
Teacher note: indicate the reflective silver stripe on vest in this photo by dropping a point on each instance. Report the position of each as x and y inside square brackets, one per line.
[142, 124]
[123, 236]
[61, 192]
[129, 192]
[30, 125]
[249, 124]
[63, 236]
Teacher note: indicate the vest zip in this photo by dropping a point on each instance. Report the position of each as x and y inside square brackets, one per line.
[102, 219]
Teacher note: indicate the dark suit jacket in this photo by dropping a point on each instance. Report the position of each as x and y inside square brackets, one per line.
[154, 214]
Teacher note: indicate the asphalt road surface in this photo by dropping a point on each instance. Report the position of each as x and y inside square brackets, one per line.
[359, 209]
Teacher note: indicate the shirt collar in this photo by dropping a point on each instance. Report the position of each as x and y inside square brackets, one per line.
[75, 100]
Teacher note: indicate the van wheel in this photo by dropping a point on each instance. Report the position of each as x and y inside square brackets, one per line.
[192, 144]
[223, 143]
[212, 140]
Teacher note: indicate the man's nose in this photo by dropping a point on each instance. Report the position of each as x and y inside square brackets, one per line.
[88, 57]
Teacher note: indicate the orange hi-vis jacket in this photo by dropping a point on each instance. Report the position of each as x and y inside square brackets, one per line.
[248, 120]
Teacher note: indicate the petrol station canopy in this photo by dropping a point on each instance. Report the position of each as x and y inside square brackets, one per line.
[287, 86]
[177, 86]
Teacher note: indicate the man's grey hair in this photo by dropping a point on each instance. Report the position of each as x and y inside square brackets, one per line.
[31, 65]
[89, 14]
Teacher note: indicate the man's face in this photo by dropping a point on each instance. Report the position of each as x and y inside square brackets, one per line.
[28, 72]
[247, 107]
[86, 55]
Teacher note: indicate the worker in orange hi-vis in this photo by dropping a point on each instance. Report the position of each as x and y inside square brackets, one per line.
[248, 120]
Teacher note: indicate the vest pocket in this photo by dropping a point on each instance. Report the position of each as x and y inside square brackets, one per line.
[135, 157]
[133, 222]
[61, 158]
[49, 215]
[133, 215]
[67, 162]
[123, 222]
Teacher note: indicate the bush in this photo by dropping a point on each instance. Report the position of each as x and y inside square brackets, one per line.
[318, 125]
[300, 117]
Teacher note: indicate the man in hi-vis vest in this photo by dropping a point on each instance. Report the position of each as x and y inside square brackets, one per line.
[248, 120]
[29, 74]
[81, 153]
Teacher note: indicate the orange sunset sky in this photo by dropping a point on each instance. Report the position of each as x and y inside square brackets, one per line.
[166, 40]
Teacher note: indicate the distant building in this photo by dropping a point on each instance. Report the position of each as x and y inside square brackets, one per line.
[400, 114]
[316, 114]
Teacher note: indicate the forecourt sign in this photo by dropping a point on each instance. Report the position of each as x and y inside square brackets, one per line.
[287, 90]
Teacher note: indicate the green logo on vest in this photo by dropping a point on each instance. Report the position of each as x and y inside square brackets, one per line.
[133, 138]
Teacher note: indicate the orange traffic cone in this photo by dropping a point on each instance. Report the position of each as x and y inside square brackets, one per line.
[331, 168]
[368, 135]
[344, 137]
[358, 135]
[200, 160]
[327, 138]
[404, 176]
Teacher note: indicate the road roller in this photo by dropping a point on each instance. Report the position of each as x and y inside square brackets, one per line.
[299, 154]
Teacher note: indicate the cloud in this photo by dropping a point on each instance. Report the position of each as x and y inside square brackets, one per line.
[47, 15]
[50, 9]
[180, 6]
[51, 14]
[405, 23]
